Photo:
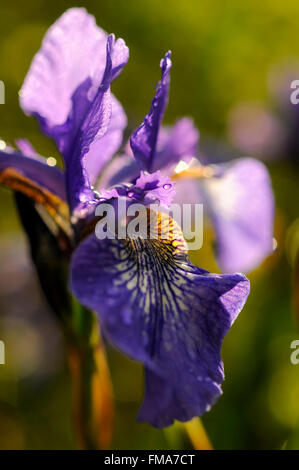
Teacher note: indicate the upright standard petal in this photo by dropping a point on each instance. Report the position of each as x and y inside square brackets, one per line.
[67, 88]
[103, 149]
[73, 49]
[241, 205]
[87, 124]
[161, 310]
[144, 139]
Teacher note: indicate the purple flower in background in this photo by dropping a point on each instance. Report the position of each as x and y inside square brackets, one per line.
[240, 202]
[152, 303]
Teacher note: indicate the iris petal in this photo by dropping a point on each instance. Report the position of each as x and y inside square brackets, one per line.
[73, 49]
[241, 205]
[42, 183]
[144, 139]
[239, 199]
[88, 123]
[68, 89]
[101, 150]
[165, 401]
[158, 308]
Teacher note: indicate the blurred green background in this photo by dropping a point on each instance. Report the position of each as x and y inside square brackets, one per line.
[232, 66]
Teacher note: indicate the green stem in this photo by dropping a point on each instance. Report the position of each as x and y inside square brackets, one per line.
[93, 411]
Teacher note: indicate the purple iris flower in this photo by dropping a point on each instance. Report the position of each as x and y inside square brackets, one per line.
[152, 303]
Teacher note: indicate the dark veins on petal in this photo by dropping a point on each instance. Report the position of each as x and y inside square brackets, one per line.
[160, 309]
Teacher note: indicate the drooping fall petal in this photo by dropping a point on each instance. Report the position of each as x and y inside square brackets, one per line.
[158, 308]
[34, 178]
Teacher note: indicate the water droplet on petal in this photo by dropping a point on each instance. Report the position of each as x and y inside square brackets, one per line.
[51, 161]
[130, 194]
[167, 186]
